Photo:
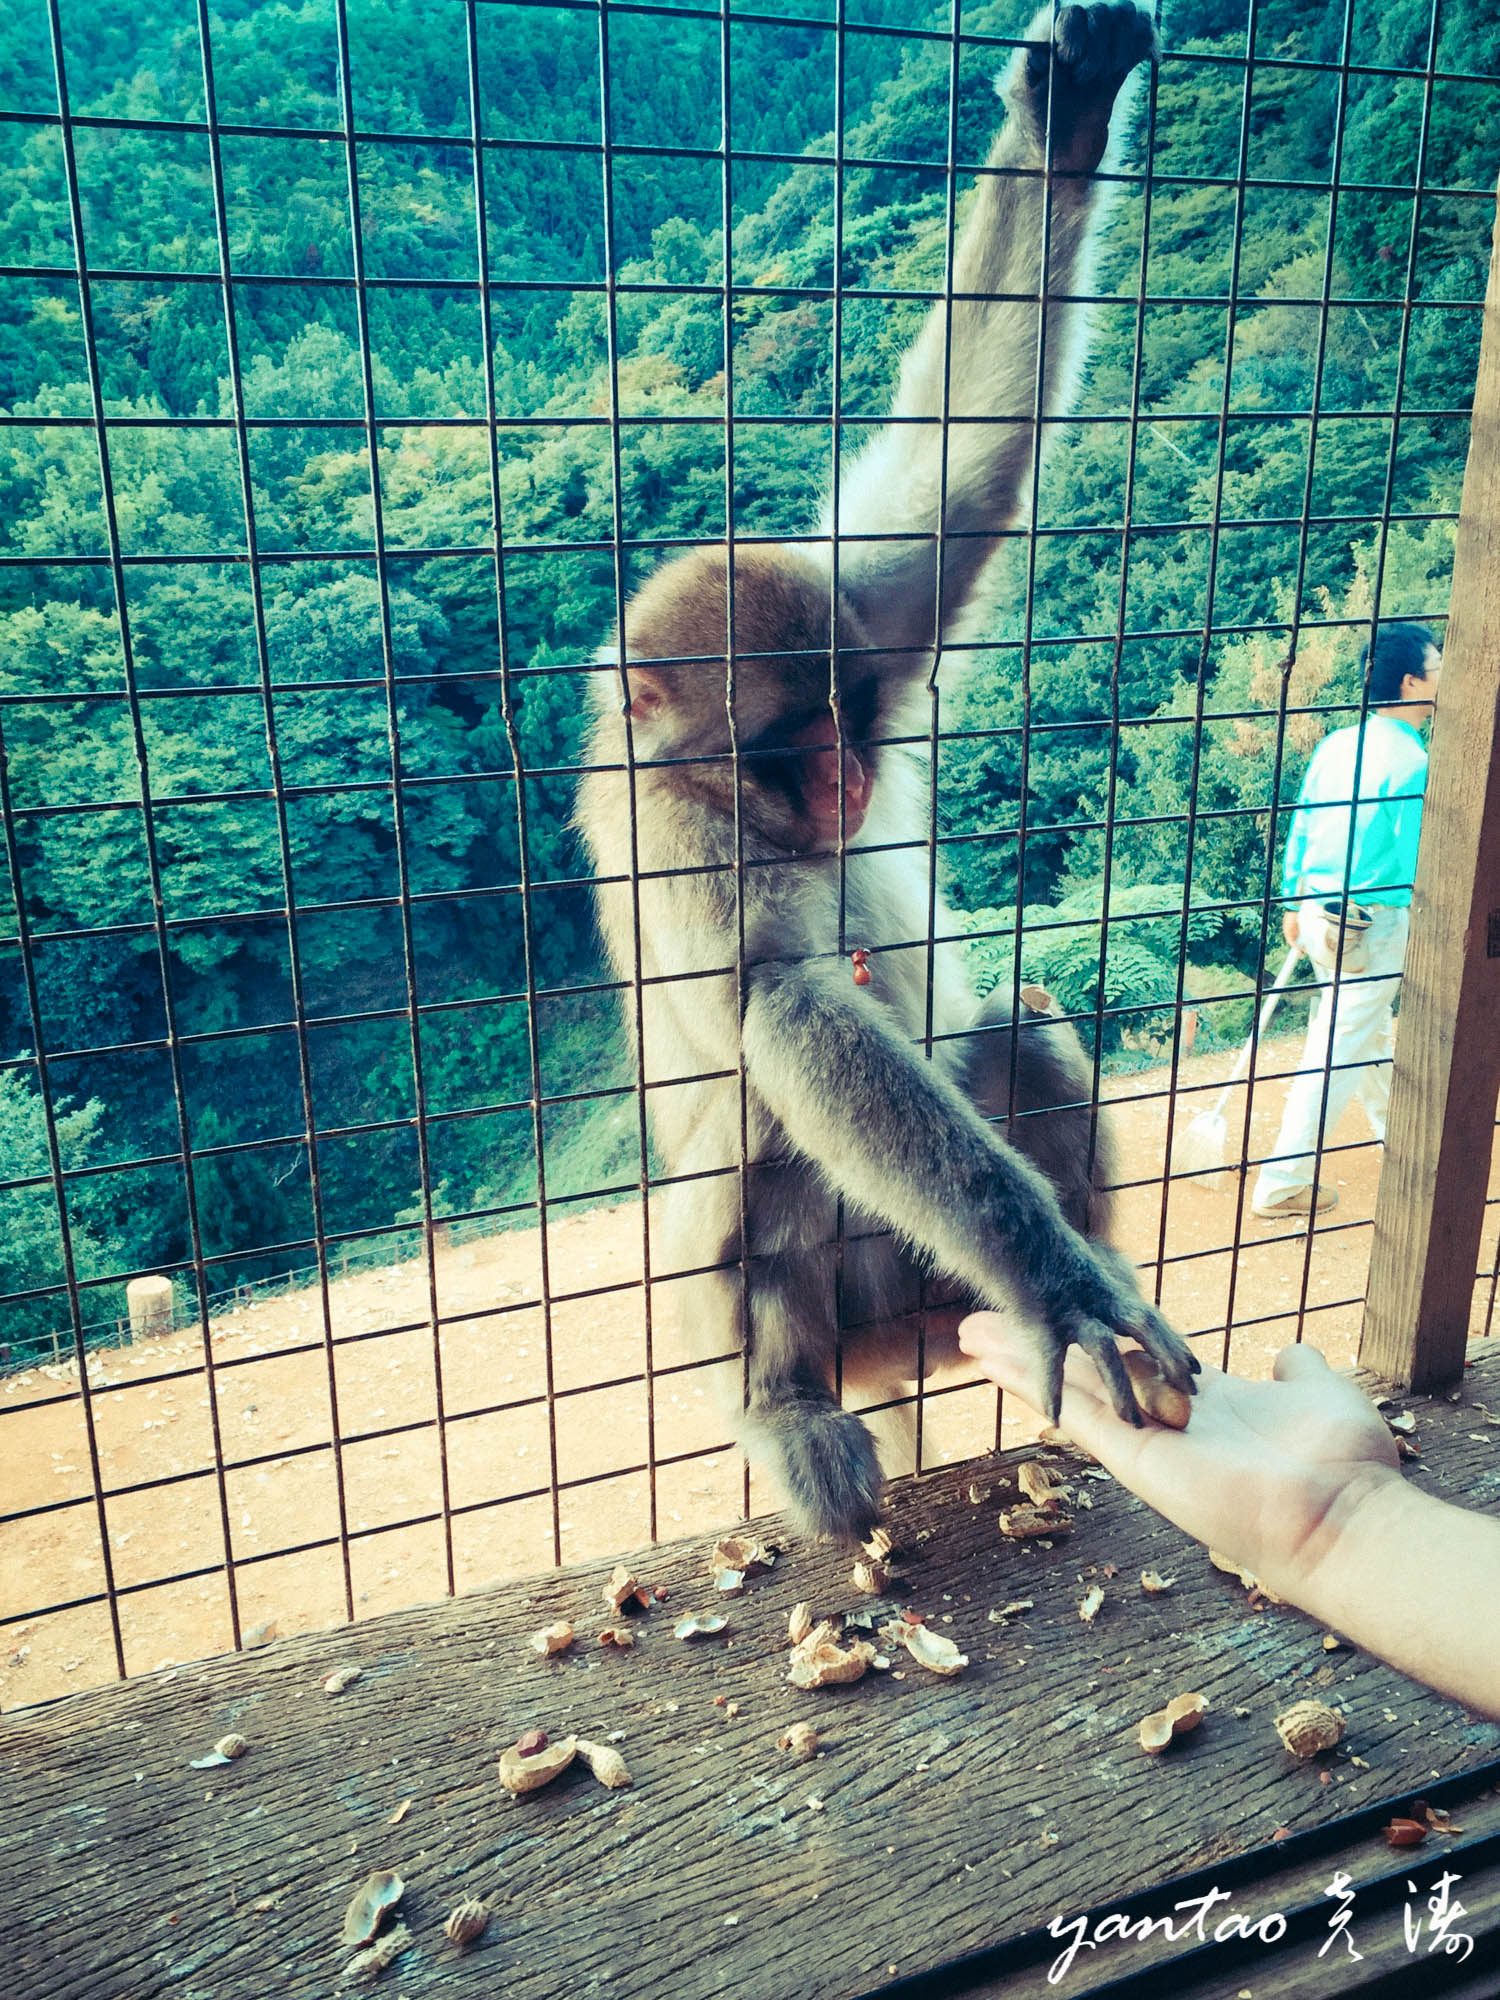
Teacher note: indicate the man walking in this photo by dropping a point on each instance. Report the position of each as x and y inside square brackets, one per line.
[1362, 888]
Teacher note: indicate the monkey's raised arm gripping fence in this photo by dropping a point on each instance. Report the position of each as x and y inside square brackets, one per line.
[381, 1373]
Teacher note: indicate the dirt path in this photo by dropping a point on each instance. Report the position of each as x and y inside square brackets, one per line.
[274, 1408]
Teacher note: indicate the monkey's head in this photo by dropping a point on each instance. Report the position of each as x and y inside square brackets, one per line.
[676, 629]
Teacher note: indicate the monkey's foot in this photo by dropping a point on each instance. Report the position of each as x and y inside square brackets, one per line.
[1067, 79]
[1106, 1304]
[827, 1462]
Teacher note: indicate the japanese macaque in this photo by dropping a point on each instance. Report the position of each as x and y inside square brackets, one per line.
[777, 830]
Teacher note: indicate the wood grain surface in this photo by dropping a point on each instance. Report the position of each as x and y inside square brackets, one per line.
[942, 1815]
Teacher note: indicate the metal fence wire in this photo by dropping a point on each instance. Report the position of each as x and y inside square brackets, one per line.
[304, 1007]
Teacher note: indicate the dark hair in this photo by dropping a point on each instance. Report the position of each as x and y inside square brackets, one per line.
[1398, 650]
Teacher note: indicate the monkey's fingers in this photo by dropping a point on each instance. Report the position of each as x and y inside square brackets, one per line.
[1057, 1359]
[1094, 45]
[1135, 1318]
[1098, 1343]
[1165, 1345]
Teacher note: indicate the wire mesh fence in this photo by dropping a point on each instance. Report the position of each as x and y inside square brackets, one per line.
[356, 371]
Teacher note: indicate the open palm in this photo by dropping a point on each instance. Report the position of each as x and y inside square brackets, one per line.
[1264, 1472]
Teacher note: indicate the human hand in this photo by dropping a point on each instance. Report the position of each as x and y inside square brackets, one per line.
[1269, 1473]
[1289, 926]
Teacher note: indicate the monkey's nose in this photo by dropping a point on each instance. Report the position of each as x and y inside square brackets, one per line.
[821, 739]
[859, 782]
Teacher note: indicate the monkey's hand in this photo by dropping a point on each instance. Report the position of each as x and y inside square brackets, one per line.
[1086, 1294]
[1087, 52]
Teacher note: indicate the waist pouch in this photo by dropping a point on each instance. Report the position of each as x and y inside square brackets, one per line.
[1345, 939]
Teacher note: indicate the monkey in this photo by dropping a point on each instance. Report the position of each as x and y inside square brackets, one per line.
[750, 811]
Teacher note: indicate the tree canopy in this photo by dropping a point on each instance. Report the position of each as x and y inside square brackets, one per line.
[1284, 433]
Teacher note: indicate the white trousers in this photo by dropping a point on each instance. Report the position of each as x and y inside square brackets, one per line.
[1348, 1044]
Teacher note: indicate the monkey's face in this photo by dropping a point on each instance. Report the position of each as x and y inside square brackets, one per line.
[804, 734]
[800, 767]
[795, 771]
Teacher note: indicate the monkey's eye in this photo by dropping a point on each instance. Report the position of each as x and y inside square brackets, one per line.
[857, 713]
[780, 736]
[860, 705]
[777, 755]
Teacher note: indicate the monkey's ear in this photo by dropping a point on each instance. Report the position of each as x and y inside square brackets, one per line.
[648, 693]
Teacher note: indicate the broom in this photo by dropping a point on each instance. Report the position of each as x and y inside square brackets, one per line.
[1202, 1149]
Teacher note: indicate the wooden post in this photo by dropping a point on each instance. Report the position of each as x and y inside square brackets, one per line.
[1441, 1130]
[150, 1303]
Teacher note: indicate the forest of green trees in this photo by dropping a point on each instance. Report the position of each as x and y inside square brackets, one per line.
[148, 206]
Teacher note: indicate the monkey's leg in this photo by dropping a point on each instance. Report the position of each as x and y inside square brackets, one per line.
[896, 1322]
[824, 1456]
[900, 1139]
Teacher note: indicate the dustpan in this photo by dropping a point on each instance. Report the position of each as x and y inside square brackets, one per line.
[1202, 1148]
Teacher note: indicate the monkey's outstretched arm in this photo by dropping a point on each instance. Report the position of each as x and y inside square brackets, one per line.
[919, 1156]
[989, 353]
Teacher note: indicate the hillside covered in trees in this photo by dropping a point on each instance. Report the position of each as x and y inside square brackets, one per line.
[552, 219]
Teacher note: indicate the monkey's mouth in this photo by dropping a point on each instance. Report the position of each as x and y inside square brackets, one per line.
[818, 775]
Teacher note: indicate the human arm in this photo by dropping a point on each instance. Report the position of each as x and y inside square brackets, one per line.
[1404, 796]
[1298, 1480]
[1294, 860]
